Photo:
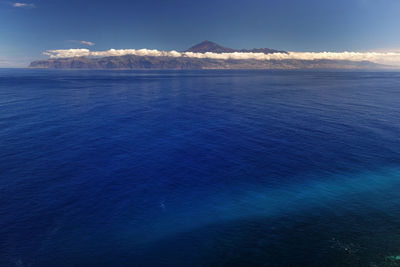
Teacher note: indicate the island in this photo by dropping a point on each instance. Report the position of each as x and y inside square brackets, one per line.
[138, 62]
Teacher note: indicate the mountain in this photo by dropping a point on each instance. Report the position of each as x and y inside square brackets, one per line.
[177, 63]
[208, 46]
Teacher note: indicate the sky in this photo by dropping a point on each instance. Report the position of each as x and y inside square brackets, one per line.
[28, 28]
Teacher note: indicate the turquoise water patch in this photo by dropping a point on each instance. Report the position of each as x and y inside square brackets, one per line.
[342, 193]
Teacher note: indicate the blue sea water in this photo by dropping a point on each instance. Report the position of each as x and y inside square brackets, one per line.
[199, 168]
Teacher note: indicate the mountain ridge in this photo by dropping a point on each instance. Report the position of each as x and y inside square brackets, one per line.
[185, 63]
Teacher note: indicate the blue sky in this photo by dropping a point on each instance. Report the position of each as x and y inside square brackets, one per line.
[30, 27]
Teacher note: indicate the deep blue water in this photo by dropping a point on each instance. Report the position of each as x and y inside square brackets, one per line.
[202, 168]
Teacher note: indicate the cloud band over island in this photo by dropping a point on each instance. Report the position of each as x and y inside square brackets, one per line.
[390, 58]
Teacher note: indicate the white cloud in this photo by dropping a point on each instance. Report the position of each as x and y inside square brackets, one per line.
[63, 53]
[83, 52]
[87, 43]
[391, 58]
[82, 42]
[23, 5]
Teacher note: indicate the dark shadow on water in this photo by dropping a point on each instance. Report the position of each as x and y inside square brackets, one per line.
[320, 239]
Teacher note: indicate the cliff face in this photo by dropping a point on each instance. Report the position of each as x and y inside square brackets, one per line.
[124, 62]
[174, 63]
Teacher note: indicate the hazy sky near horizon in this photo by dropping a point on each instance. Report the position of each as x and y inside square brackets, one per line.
[30, 27]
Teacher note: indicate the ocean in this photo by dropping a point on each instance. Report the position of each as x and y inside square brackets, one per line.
[199, 168]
